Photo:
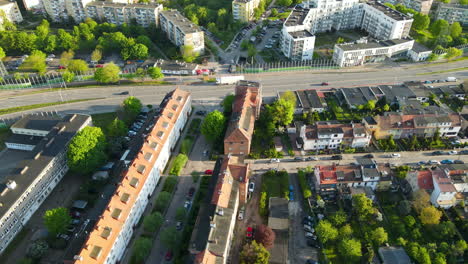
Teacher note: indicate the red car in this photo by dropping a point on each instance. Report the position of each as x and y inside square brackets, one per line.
[62, 67]
[99, 66]
[209, 172]
[324, 84]
[250, 232]
[168, 256]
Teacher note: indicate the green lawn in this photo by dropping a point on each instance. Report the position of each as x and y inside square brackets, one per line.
[103, 120]
[280, 16]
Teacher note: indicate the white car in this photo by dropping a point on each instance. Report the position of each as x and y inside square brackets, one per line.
[251, 186]
[453, 152]
[310, 235]
[274, 160]
[395, 155]
[434, 162]
[240, 217]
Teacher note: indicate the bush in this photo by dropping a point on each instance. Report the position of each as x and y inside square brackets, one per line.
[178, 164]
[169, 184]
[195, 126]
[306, 192]
[186, 145]
[162, 202]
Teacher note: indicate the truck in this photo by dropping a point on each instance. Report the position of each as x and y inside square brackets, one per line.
[229, 79]
[451, 79]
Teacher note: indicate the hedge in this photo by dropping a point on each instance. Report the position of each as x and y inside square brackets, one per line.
[169, 184]
[178, 164]
[186, 145]
[306, 192]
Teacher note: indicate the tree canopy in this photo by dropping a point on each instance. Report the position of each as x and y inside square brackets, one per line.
[86, 151]
[212, 126]
[152, 222]
[141, 249]
[155, 73]
[132, 105]
[169, 237]
[289, 96]
[57, 220]
[420, 200]
[227, 103]
[453, 53]
[77, 66]
[117, 128]
[362, 206]
[430, 215]
[281, 111]
[350, 248]
[36, 62]
[254, 253]
[379, 236]
[326, 231]
[108, 74]
[265, 235]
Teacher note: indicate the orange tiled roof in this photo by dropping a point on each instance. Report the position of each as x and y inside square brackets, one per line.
[101, 239]
[425, 180]
[443, 181]
[229, 171]
[205, 257]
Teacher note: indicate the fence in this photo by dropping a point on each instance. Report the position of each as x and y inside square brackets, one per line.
[463, 47]
[317, 65]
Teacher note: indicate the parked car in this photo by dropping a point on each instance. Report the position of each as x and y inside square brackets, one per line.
[63, 236]
[421, 163]
[369, 156]
[312, 158]
[298, 159]
[324, 84]
[75, 214]
[201, 113]
[310, 235]
[187, 204]
[250, 232]
[62, 67]
[458, 162]
[308, 229]
[313, 243]
[124, 93]
[251, 186]
[168, 255]
[71, 229]
[179, 226]
[209, 172]
[274, 160]
[464, 152]
[453, 152]
[191, 192]
[434, 162]
[240, 217]
[395, 155]
[446, 161]
[337, 157]
[99, 66]
[437, 153]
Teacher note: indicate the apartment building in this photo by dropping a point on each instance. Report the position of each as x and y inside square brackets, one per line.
[118, 13]
[30, 130]
[333, 180]
[361, 52]
[334, 14]
[296, 41]
[422, 6]
[420, 124]
[245, 110]
[113, 230]
[33, 5]
[331, 135]
[61, 10]
[22, 192]
[181, 31]
[452, 13]
[9, 10]
[213, 233]
[243, 10]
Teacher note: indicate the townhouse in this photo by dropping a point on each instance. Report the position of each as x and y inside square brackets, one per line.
[108, 240]
[444, 191]
[243, 10]
[23, 191]
[452, 13]
[181, 31]
[212, 236]
[308, 101]
[421, 124]
[9, 10]
[144, 14]
[331, 135]
[245, 110]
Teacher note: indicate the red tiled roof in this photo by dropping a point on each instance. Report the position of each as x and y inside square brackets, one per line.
[443, 181]
[425, 180]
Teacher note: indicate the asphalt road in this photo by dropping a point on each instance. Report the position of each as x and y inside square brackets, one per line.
[272, 84]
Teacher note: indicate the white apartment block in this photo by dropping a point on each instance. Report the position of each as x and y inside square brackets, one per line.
[60, 10]
[452, 13]
[118, 13]
[243, 10]
[33, 5]
[22, 193]
[109, 239]
[334, 14]
[181, 31]
[297, 43]
[10, 11]
[354, 54]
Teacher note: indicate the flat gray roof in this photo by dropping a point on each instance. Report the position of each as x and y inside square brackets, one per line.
[394, 255]
[372, 44]
[397, 15]
[300, 34]
[37, 122]
[23, 139]
[182, 22]
[297, 16]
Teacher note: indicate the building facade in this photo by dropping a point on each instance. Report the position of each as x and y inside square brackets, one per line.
[422, 6]
[9, 10]
[62, 10]
[245, 110]
[113, 230]
[296, 41]
[452, 13]
[181, 31]
[117, 13]
[243, 10]
[332, 135]
[23, 192]
[444, 191]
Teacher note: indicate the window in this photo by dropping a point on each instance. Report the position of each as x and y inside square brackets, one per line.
[124, 197]
[95, 252]
[116, 213]
[141, 169]
[134, 182]
[106, 232]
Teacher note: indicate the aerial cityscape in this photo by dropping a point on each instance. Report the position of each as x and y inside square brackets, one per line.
[233, 131]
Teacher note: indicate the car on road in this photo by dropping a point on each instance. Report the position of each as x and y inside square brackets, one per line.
[168, 255]
[421, 163]
[179, 226]
[209, 172]
[313, 243]
[251, 186]
[324, 84]
[200, 112]
[250, 232]
[458, 162]
[437, 153]
[312, 159]
[191, 192]
[240, 216]
[464, 152]
[446, 161]
[274, 160]
[337, 157]
[434, 162]
[123, 93]
[395, 155]
[298, 159]
[453, 152]
[369, 156]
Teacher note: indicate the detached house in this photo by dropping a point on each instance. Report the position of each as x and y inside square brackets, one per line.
[245, 109]
[444, 189]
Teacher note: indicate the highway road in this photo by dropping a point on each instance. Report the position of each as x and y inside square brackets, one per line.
[272, 83]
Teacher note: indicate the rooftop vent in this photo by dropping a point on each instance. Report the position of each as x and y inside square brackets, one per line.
[24, 170]
[73, 117]
[38, 155]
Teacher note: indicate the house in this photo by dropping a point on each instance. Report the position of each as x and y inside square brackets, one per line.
[245, 110]
[394, 255]
[331, 135]
[419, 52]
[452, 91]
[108, 241]
[444, 189]
[212, 236]
[422, 124]
[176, 67]
[420, 180]
[308, 101]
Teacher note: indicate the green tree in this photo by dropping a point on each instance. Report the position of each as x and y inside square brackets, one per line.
[212, 126]
[274, 12]
[289, 96]
[2, 53]
[386, 108]
[66, 41]
[421, 21]
[57, 220]
[169, 237]
[370, 105]
[96, 55]
[263, 204]
[66, 57]
[284, 2]
[77, 66]
[162, 201]
[282, 112]
[440, 27]
[453, 53]
[350, 249]
[362, 206]
[116, 128]
[346, 231]
[430, 216]
[132, 106]
[244, 44]
[37, 249]
[36, 62]
[180, 214]
[141, 249]
[409, 221]
[455, 30]
[108, 74]
[420, 200]
[326, 231]
[459, 247]
[68, 77]
[25, 42]
[50, 43]
[338, 218]
[86, 151]
[379, 236]
[188, 54]
[251, 51]
[152, 222]
[136, 51]
[227, 103]
[254, 253]
[340, 40]
[155, 73]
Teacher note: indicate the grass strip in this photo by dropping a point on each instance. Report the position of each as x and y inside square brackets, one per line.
[35, 106]
[444, 71]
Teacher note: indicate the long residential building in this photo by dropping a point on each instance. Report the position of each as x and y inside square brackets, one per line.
[401, 125]
[245, 110]
[61, 10]
[144, 14]
[22, 192]
[109, 239]
[331, 135]
[9, 10]
[243, 10]
[422, 6]
[379, 21]
[452, 13]
[181, 31]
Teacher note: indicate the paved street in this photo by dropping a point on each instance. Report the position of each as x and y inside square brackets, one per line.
[211, 93]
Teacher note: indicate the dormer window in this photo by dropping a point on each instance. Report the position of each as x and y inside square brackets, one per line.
[179, 98]
[134, 182]
[148, 156]
[106, 232]
[116, 213]
[160, 134]
[165, 124]
[96, 252]
[153, 145]
[124, 197]
[141, 169]
[174, 107]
